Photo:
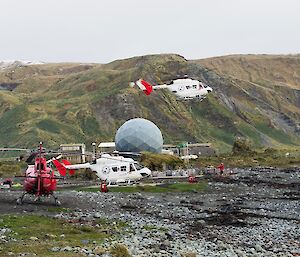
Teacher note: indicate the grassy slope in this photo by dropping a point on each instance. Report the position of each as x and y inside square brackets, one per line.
[267, 77]
[270, 69]
[271, 96]
[59, 103]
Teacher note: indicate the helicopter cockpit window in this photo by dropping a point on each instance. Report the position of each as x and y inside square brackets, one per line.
[123, 168]
[132, 167]
[138, 166]
[40, 166]
[115, 169]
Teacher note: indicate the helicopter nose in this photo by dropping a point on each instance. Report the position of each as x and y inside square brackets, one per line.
[145, 172]
[209, 89]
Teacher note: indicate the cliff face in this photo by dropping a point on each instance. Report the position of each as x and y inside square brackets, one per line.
[254, 96]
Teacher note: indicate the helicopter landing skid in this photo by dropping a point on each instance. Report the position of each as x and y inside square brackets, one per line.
[37, 199]
[57, 202]
[20, 199]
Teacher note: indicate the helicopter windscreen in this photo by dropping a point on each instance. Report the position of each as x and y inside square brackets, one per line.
[138, 166]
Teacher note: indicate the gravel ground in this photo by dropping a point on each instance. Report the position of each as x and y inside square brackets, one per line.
[249, 213]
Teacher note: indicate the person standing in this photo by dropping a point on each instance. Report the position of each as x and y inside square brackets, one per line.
[221, 167]
[103, 187]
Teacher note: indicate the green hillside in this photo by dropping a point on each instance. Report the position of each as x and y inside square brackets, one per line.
[257, 97]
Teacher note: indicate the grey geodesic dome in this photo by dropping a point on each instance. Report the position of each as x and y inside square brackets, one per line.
[139, 135]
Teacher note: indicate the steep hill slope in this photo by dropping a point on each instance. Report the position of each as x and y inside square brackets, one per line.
[274, 82]
[64, 103]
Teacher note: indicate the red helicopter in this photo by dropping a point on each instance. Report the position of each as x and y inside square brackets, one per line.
[40, 179]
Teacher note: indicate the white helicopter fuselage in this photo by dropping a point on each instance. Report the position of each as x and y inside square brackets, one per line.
[187, 89]
[115, 169]
[184, 88]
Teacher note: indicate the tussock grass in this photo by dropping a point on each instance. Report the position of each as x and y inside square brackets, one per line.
[10, 169]
[268, 158]
[120, 251]
[159, 161]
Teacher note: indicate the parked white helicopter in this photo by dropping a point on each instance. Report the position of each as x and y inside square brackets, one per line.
[184, 88]
[112, 169]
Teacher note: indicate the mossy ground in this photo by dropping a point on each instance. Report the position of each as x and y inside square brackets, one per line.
[38, 234]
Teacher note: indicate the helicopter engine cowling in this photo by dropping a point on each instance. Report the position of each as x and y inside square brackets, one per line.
[48, 181]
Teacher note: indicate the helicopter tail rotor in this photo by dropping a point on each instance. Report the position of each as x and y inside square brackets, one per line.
[143, 85]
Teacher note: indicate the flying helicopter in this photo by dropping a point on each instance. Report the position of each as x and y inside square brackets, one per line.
[40, 180]
[109, 168]
[184, 88]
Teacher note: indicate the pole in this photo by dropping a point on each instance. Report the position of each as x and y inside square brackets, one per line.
[39, 170]
[94, 152]
[187, 152]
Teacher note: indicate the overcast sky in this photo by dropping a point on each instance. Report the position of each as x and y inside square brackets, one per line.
[105, 30]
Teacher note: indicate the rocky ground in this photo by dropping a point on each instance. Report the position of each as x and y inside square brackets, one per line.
[248, 213]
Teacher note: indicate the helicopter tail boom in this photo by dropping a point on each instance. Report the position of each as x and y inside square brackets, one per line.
[66, 165]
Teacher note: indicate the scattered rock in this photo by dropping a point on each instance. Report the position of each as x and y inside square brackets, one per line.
[55, 249]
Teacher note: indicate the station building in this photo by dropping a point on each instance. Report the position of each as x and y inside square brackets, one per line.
[75, 153]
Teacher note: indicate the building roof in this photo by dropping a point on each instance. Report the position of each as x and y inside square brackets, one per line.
[189, 145]
[107, 144]
[77, 144]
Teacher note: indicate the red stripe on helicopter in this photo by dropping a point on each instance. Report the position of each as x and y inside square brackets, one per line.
[66, 162]
[61, 169]
[145, 86]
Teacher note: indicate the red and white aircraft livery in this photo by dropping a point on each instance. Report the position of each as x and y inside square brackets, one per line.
[183, 88]
[39, 179]
[112, 169]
